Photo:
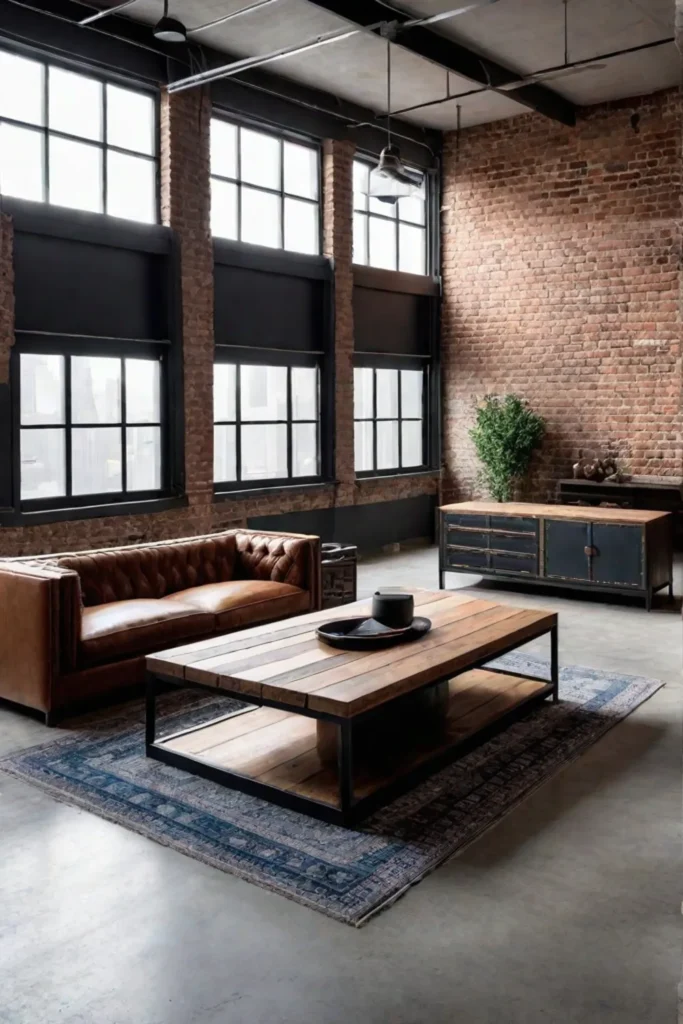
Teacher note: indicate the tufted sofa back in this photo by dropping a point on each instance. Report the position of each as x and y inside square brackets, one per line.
[155, 570]
[152, 571]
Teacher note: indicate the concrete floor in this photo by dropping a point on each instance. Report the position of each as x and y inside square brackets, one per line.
[568, 911]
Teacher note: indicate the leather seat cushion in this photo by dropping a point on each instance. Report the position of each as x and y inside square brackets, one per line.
[239, 603]
[123, 628]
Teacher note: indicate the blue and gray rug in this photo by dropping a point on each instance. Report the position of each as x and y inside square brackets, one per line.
[349, 875]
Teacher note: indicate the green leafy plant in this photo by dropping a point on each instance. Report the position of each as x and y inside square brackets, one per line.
[505, 436]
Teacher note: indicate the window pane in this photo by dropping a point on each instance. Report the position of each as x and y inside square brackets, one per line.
[412, 208]
[301, 170]
[412, 249]
[43, 466]
[261, 218]
[264, 452]
[95, 389]
[130, 120]
[143, 455]
[131, 187]
[387, 393]
[304, 449]
[411, 393]
[75, 175]
[224, 383]
[363, 446]
[382, 209]
[260, 158]
[302, 228]
[360, 239]
[143, 391]
[362, 393]
[96, 460]
[75, 104]
[223, 148]
[223, 209]
[361, 174]
[387, 444]
[411, 441]
[41, 389]
[263, 392]
[382, 243]
[224, 454]
[304, 393]
[21, 89]
[21, 163]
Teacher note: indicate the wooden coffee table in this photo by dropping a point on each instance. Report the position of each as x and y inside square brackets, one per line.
[336, 733]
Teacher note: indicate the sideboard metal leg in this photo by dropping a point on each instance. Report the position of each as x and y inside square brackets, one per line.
[554, 664]
[442, 580]
[671, 590]
[648, 600]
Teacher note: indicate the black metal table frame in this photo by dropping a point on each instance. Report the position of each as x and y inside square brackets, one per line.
[350, 809]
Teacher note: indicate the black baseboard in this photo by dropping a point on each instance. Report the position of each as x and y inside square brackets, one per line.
[369, 527]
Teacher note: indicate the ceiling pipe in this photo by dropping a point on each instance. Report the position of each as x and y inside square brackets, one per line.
[229, 17]
[103, 14]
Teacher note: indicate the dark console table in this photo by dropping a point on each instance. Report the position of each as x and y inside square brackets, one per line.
[652, 493]
[623, 551]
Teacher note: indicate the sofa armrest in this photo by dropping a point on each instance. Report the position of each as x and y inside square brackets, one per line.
[30, 633]
[282, 557]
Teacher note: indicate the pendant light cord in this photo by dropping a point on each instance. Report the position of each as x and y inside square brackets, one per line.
[165, 8]
[388, 91]
[566, 34]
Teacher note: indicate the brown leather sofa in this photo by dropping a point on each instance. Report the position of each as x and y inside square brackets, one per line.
[75, 628]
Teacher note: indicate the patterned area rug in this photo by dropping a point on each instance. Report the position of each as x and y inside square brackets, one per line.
[349, 875]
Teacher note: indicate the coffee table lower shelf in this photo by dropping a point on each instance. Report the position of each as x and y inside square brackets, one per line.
[274, 753]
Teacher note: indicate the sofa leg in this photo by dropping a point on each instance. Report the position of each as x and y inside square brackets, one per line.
[50, 719]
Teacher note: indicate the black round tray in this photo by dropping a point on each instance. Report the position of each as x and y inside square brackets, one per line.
[335, 634]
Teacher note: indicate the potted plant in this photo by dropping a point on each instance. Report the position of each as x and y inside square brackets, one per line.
[505, 436]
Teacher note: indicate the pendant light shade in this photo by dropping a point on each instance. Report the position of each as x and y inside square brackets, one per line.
[390, 180]
[169, 30]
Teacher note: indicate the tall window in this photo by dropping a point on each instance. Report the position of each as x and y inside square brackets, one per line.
[72, 140]
[264, 189]
[266, 423]
[89, 426]
[389, 419]
[393, 237]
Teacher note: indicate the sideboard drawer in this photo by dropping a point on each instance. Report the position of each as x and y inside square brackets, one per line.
[507, 542]
[466, 559]
[467, 538]
[465, 519]
[516, 524]
[524, 565]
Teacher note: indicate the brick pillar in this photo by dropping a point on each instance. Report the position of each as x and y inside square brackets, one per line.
[186, 208]
[6, 294]
[338, 244]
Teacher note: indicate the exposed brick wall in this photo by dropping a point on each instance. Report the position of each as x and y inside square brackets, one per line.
[186, 207]
[561, 262]
[338, 244]
[6, 295]
[185, 202]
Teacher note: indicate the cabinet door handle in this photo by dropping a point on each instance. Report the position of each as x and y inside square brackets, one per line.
[590, 551]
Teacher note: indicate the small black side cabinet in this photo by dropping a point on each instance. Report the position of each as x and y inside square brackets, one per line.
[621, 551]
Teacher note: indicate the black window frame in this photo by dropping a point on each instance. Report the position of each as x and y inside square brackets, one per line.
[67, 347]
[288, 361]
[376, 363]
[430, 225]
[104, 80]
[281, 136]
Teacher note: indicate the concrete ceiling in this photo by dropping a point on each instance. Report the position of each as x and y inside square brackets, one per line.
[524, 35]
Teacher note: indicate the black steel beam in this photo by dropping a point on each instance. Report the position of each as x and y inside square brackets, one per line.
[453, 56]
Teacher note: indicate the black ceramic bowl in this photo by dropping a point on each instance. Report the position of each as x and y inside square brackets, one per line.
[393, 609]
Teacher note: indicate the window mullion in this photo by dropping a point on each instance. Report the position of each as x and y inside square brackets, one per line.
[105, 182]
[67, 424]
[290, 432]
[374, 420]
[238, 423]
[46, 133]
[400, 418]
[124, 447]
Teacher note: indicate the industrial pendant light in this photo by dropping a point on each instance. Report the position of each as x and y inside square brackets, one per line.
[391, 180]
[170, 30]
